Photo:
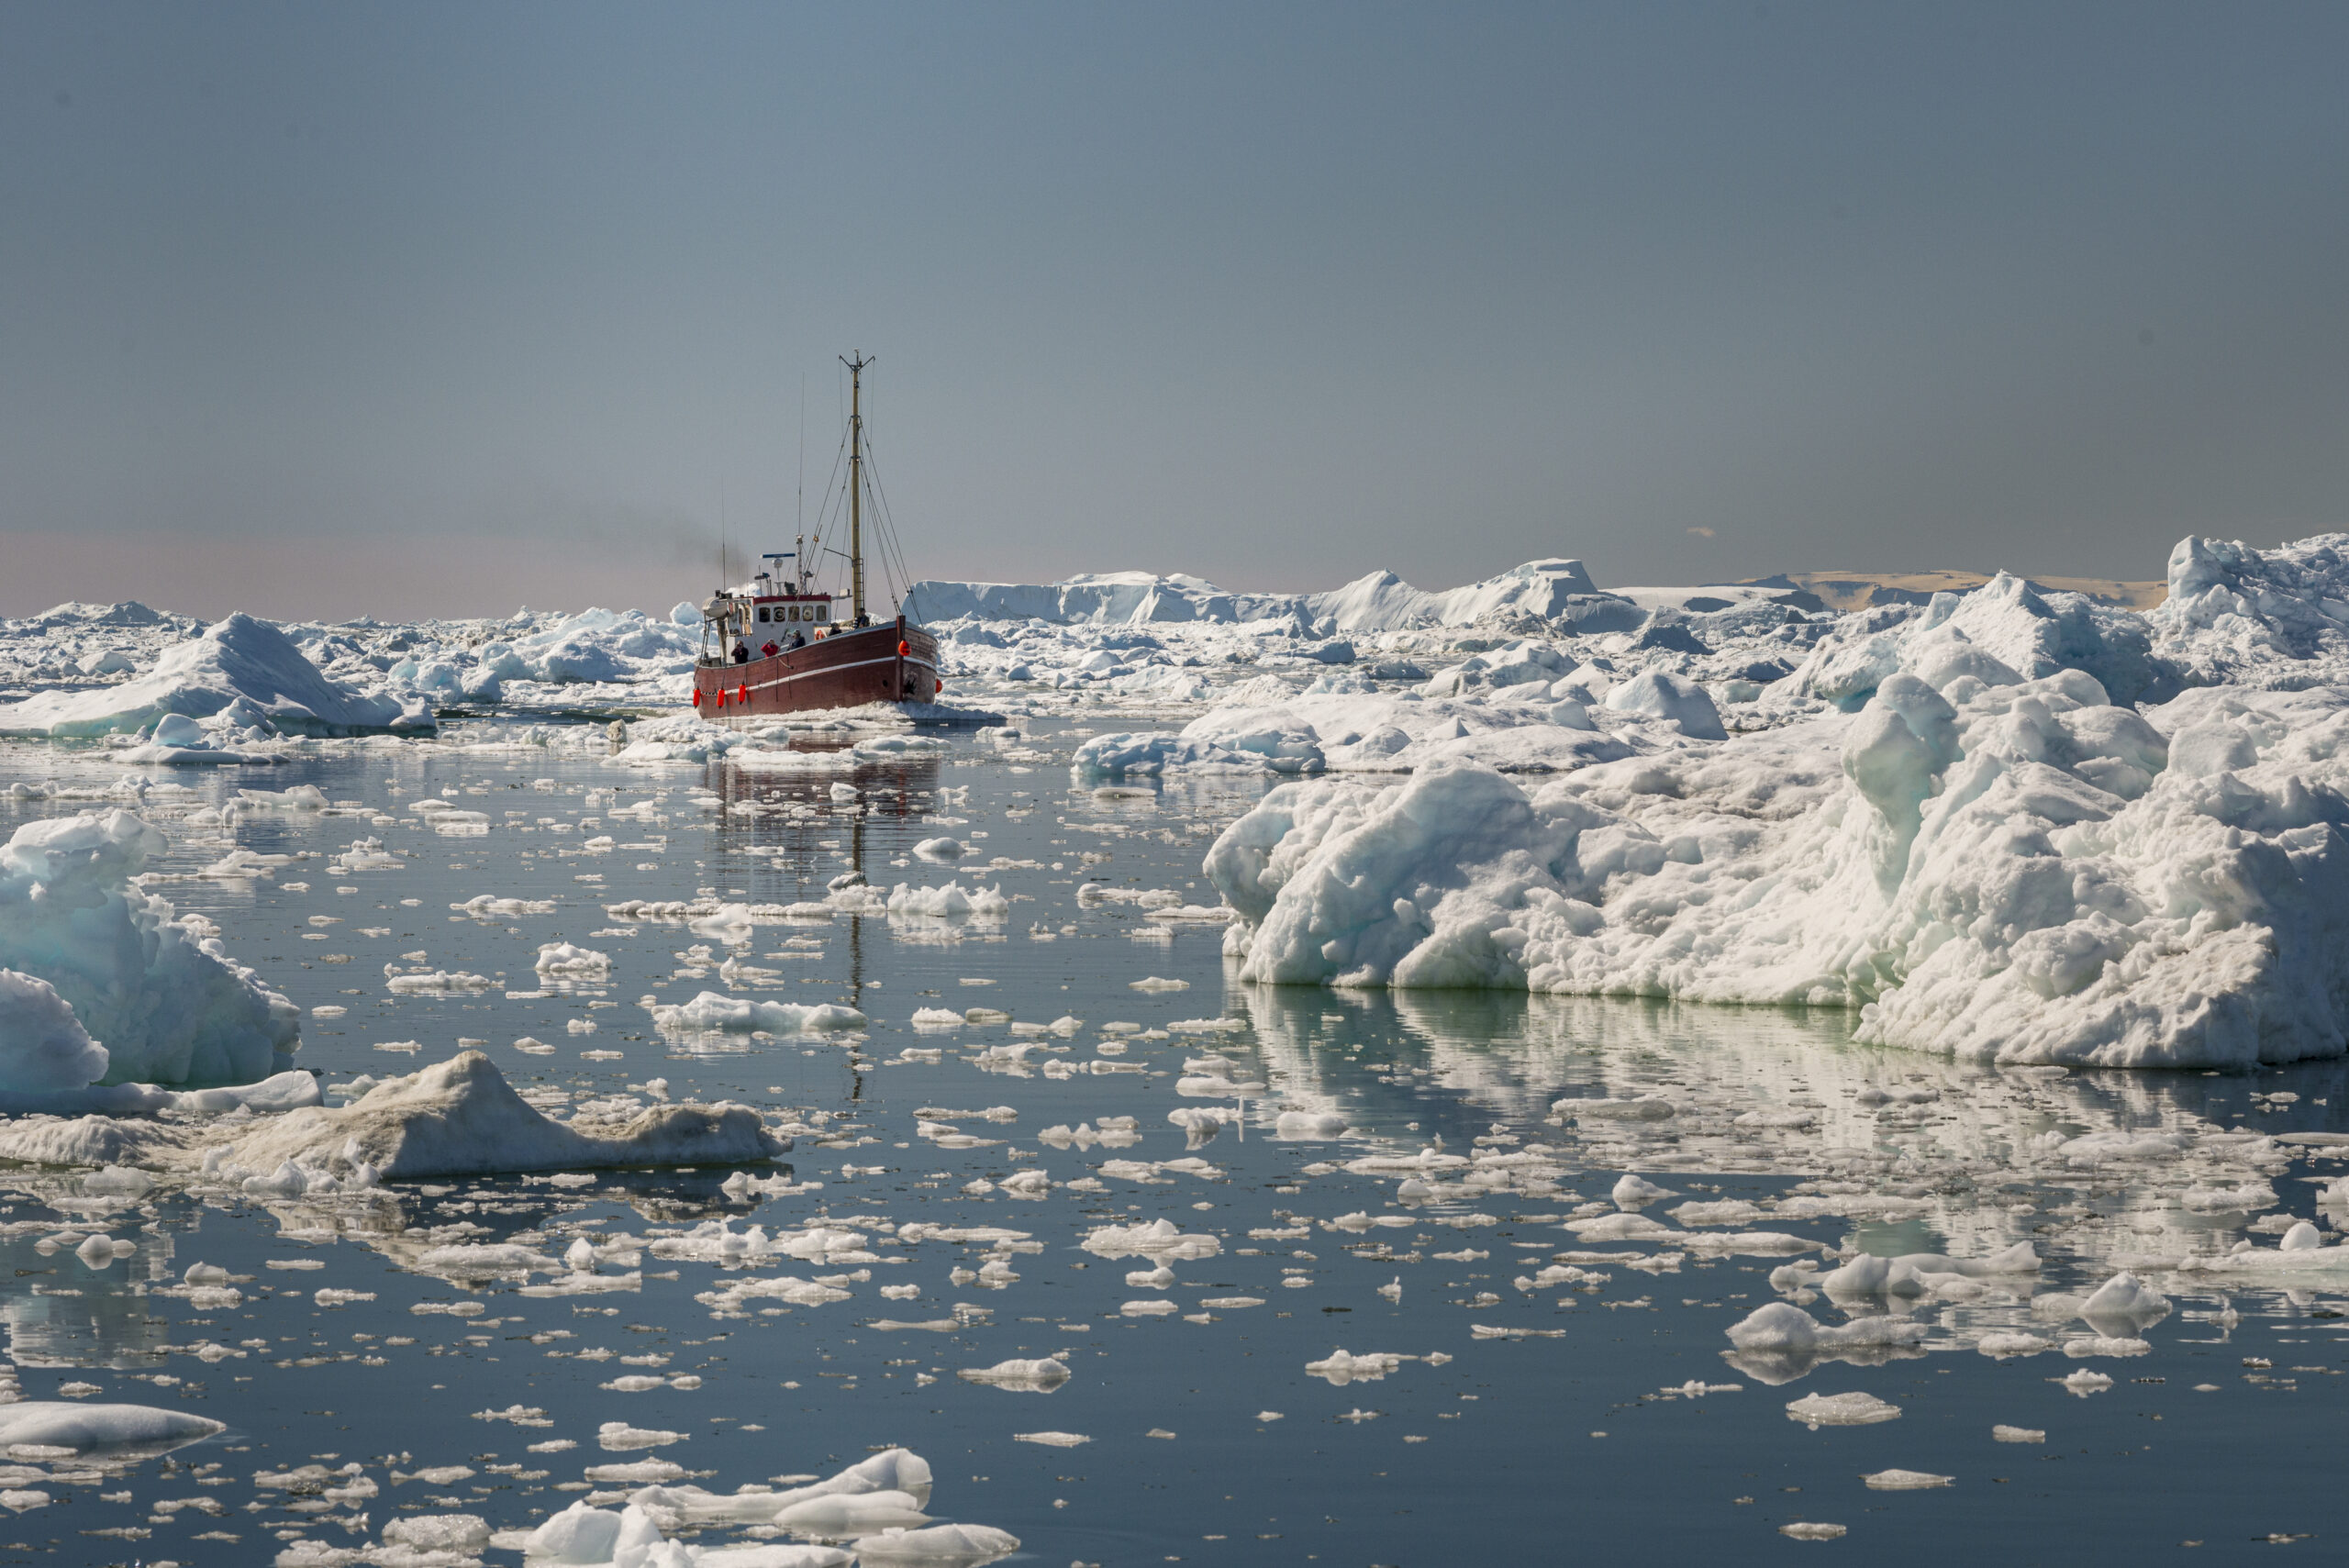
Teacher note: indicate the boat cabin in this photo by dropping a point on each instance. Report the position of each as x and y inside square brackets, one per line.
[775, 607]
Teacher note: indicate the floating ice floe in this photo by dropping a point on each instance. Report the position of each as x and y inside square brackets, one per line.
[1781, 1342]
[1817, 1410]
[1915, 1273]
[1030, 1377]
[86, 1429]
[711, 1012]
[455, 1118]
[1339, 1368]
[947, 903]
[158, 1003]
[461, 1116]
[1154, 1238]
[857, 1506]
[562, 958]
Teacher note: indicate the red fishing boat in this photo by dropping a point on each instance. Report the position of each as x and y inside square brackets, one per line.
[779, 645]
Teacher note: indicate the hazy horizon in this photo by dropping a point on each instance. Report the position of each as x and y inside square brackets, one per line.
[334, 580]
[441, 310]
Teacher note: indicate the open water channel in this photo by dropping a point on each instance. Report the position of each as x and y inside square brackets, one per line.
[1558, 1393]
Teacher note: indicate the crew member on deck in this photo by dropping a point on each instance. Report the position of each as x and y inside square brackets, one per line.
[769, 649]
[742, 653]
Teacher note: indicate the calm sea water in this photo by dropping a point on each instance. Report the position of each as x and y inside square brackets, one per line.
[1560, 1426]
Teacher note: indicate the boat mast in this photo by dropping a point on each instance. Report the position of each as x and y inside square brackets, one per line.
[855, 485]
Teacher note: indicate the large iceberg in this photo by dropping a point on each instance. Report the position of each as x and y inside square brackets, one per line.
[239, 663]
[165, 1003]
[2021, 872]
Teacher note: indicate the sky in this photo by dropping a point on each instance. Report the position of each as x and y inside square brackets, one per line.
[445, 309]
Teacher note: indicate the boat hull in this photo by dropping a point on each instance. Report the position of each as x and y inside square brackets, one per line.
[894, 661]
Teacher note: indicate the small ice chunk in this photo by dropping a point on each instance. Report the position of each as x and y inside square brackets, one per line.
[1906, 1480]
[1631, 1190]
[1339, 1367]
[1041, 1377]
[1854, 1409]
[941, 1545]
[1784, 1327]
[2124, 1296]
[2003, 1343]
[456, 1535]
[1310, 1125]
[562, 958]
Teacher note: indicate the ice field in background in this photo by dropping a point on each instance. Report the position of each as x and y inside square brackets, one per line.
[1367, 1077]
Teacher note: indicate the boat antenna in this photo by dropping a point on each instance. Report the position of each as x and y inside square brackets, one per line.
[856, 483]
[800, 521]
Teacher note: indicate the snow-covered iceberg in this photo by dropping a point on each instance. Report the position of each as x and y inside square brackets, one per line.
[151, 1000]
[239, 663]
[2019, 872]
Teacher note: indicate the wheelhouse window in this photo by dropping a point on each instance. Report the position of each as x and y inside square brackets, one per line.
[820, 610]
